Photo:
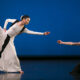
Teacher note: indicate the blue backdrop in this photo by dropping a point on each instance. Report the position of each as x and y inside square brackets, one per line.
[60, 17]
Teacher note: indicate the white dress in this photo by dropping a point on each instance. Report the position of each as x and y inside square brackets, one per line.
[9, 61]
[8, 76]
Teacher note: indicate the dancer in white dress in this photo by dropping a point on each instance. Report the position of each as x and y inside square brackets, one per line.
[9, 61]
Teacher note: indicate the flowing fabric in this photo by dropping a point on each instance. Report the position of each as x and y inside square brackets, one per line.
[9, 61]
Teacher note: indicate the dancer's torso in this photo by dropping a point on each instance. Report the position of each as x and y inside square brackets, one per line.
[14, 30]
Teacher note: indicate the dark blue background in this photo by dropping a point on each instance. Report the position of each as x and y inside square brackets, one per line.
[60, 17]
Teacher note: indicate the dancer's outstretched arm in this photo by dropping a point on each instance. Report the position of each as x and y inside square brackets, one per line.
[6, 22]
[35, 33]
[68, 43]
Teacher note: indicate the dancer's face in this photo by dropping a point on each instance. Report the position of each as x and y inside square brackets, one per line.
[26, 21]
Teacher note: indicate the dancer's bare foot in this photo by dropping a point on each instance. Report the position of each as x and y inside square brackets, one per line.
[21, 72]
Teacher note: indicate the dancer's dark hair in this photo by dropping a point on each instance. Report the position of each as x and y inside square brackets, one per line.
[24, 17]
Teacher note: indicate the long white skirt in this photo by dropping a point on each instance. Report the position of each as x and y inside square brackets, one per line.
[8, 76]
[9, 61]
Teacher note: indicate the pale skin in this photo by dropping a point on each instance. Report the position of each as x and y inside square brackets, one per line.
[24, 22]
[68, 43]
[21, 24]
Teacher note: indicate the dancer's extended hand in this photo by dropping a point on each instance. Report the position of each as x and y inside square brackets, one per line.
[46, 33]
[59, 42]
[65, 43]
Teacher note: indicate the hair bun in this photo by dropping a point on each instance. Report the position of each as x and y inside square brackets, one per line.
[24, 17]
[21, 17]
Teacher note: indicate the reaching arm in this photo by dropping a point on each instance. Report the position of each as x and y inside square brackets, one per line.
[8, 20]
[32, 32]
[68, 43]
[76, 43]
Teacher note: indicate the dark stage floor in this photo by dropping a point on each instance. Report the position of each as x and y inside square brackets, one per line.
[44, 70]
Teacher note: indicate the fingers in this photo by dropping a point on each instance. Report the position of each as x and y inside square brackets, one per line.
[46, 33]
[59, 41]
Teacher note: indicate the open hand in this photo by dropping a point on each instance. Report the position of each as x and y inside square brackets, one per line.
[46, 33]
[59, 42]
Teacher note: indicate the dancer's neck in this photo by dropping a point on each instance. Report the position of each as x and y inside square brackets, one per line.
[21, 23]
